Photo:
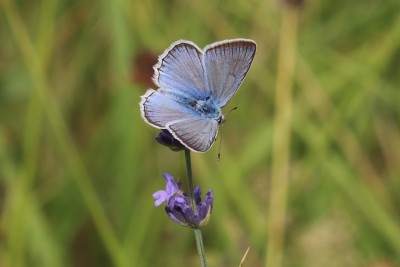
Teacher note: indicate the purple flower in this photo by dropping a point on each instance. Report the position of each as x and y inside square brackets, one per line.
[178, 204]
[165, 138]
[171, 189]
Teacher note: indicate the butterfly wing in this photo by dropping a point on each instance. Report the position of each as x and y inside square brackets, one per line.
[196, 133]
[226, 64]
[180, 71]
[158, 109]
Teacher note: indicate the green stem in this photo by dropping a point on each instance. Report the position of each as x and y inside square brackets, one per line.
[190, 179]
[200, 246]
[197, 232]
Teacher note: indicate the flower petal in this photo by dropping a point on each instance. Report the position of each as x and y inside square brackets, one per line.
[171, 186]
[165, 138]
[174, 218]
[160, 197]
[197, 195]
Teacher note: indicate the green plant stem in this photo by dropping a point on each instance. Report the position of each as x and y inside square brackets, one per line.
[197, 232]
[281, 138]
[200, 246]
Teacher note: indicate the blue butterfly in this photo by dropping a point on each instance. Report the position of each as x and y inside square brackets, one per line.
[194, 85]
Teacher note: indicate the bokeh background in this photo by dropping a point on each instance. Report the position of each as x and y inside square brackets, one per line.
[78, 165]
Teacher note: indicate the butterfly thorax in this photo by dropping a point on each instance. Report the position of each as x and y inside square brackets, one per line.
[206, 108]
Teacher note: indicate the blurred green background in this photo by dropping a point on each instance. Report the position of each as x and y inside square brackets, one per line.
[78, 165]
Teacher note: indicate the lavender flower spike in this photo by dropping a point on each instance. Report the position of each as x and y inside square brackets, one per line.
[179, 207]
[165, 138]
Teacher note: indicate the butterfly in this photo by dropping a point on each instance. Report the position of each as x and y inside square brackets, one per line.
[193, 85]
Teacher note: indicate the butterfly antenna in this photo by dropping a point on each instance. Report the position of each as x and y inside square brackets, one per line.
[220, 140]
[235, 108]
[222, 130]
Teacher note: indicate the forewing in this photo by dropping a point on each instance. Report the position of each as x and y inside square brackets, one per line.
[227, 63]
[180, 70]
[196, 133]
[159, 109]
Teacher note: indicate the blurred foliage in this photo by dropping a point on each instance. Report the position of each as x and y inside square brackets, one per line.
[78, 165]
